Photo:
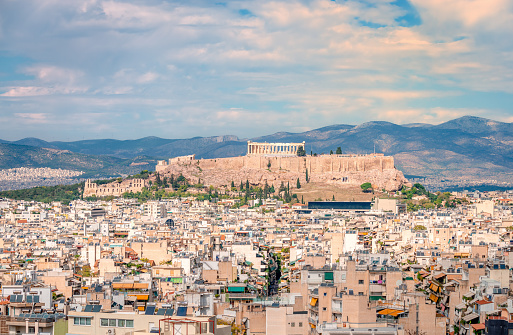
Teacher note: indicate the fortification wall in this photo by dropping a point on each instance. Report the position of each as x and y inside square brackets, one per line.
[319, 164]
[273, 170]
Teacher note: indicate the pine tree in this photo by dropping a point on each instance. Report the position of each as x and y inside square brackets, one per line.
[331, 152]
[333, 197]
[282, 188]
[298, 184]
[247, 184]
[233, 184]
[302, 201]
[241, 186]
[307, 179]
[301, 151]
[339, 151]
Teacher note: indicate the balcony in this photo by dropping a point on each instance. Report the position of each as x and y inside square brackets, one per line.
[336, 310]
[242, 296]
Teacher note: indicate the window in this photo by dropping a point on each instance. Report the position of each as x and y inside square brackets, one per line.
[121, 323]
[300, 324]
[325, 294]
[82, 321]
[293, 324]
[360, 282]
[324, 308]
[360, 293]
[129, 323]
[104, 322]
[112, 322]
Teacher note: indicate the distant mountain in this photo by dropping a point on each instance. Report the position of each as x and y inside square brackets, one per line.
[469, 149]
[15, 155]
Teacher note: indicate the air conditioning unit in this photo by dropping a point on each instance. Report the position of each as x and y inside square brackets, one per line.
[111, 331]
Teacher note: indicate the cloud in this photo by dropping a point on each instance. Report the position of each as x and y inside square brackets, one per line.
[32, 117]
[433, 115]
[236, 67]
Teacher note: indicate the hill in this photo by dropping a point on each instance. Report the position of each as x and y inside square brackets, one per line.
[461, 152]
[13, 156]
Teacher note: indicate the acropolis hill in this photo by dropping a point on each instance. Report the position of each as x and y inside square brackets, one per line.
[275, 163]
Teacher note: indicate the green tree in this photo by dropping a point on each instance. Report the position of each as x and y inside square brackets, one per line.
[306, 176]
[331, 152]
[233, 184]
[339, 151]
[269, 164]
[301, 151]
[366, 187]
[298, 184]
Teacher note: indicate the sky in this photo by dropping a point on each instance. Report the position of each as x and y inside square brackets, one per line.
[73, 70]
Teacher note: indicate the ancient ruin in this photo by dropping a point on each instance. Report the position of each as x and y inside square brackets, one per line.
[282, 149]
[115, 188]
[259, 169]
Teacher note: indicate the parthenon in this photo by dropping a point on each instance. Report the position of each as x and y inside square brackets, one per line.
[255, 148]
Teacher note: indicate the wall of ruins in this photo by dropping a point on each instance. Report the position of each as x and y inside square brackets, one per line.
[114, 188]
[319, 164]
[162, 165]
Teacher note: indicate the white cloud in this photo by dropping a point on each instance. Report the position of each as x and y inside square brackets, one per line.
[298, 63]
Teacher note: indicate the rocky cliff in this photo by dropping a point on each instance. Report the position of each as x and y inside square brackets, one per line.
[339, 170]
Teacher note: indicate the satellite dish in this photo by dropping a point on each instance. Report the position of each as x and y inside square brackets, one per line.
[399, 282]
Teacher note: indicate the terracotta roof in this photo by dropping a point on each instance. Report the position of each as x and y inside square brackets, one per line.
[483, 302]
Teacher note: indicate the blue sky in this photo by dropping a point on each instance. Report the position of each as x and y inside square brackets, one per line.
[72, 70]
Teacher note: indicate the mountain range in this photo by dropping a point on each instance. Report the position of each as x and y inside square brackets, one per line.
[468, 150]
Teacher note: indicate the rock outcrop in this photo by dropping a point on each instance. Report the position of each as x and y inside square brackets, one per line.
[339, 170]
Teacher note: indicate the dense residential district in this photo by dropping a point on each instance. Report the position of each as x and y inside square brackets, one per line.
[152, 253]
[183, 266]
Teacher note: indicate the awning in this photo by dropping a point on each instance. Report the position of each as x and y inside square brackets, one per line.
[471, 316]
[460, 306]
[440, 275]
[384, 311]
[391, 312]
[433, 287]
[313, 302]
[469, 295]
[478, 326]
[139, 296]
[396, 313]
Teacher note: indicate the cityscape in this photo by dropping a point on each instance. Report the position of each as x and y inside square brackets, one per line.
[256, 167]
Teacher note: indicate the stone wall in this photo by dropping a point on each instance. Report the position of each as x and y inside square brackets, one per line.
[114, 188]
[342, 170]
[319, 164]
